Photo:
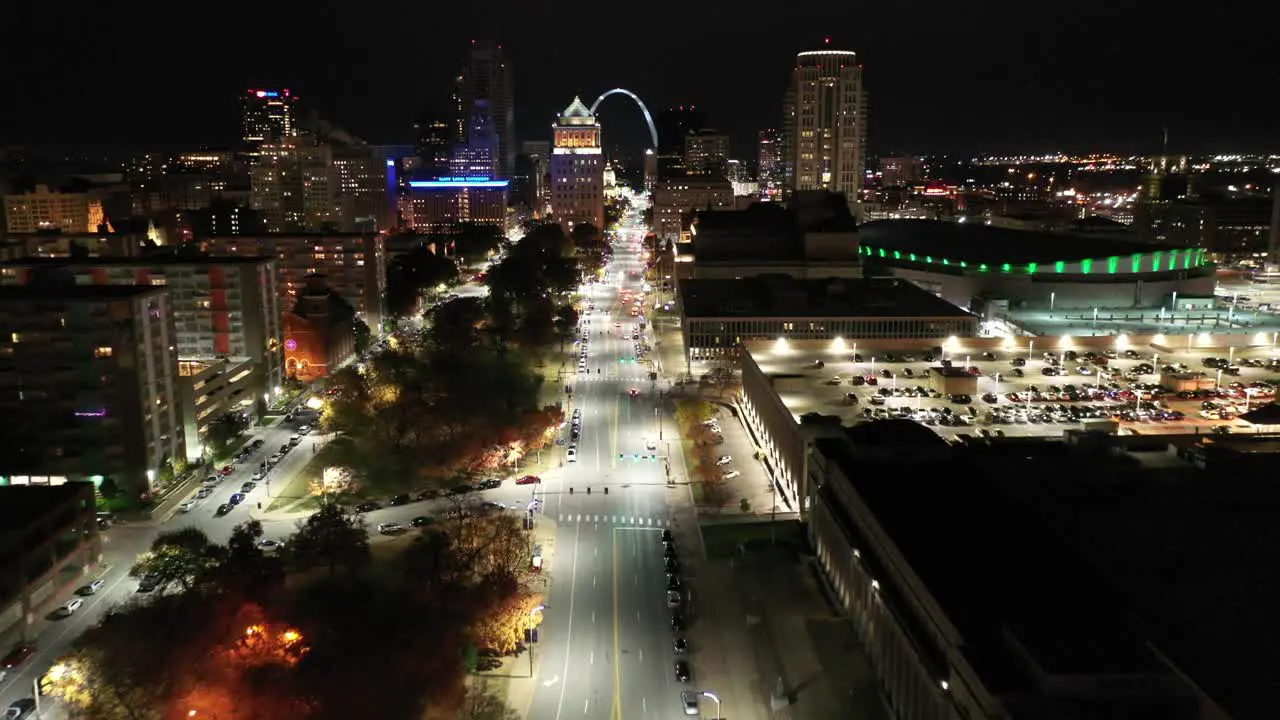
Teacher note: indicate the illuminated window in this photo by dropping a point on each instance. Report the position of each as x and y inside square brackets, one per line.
[1112, 262]
[1032, 267]
[102, 352]
[1086, 266]
[1059, 266]
[15, 337]
[1135, 265]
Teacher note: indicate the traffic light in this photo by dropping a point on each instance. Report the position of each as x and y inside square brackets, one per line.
[636, 456]
[653, 457]
[621, 456]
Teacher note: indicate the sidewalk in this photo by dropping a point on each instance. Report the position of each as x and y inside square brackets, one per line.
[514, 672]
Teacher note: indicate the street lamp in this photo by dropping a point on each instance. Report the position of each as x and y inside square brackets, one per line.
[716, 699]
[532, 612]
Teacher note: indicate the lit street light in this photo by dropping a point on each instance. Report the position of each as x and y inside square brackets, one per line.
[717, 701]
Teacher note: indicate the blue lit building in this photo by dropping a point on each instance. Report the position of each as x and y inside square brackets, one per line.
[438, 205]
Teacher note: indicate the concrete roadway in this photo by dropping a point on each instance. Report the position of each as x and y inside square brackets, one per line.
[606, 642]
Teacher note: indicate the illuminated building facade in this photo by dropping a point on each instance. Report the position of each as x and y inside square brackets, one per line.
[365, 191]
[267, 116]
[210, 389]
[222, 307]
[826, 112]
[433, 206]
[577, 168]
[294, 186]
[89, 381]
[45, 209]
[353, 264]
[706, 151]
[319, 335]
[676, 197]
[479, 154]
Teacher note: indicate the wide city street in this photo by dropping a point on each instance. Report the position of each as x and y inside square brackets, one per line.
[606, 645]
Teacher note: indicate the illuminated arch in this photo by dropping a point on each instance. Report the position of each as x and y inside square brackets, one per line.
[653, 131]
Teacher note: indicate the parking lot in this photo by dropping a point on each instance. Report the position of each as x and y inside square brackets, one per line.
[1018, 396]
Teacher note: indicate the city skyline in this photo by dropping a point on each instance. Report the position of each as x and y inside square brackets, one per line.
[953, 88]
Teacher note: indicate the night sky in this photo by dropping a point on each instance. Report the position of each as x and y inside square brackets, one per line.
[943, 76]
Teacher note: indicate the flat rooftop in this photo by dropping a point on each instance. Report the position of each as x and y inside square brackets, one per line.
[19, 504]
[995, 570]
[144, 260]
[1194, 553]
[22, 293]
[784, 297]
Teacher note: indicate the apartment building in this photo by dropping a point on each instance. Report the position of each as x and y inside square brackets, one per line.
[19, 246]
[49, 542]
[210, 389]
[46, 209]
[89, 382]
[353, 265]
[222, 306]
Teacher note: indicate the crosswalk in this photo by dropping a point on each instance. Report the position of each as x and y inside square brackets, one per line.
[620, 520]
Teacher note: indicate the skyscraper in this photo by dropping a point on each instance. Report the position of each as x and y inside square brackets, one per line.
[827, 120]
[435, 141]
[674, 126]
[478, 156]
[772, 172]
[577, 168]
[486, 76]
[267, 116]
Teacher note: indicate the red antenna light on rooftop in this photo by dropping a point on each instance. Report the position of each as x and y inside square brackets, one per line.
[826, 41]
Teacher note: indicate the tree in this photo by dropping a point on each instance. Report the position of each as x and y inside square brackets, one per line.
[648, 216]
[109, 488]
[473, 241]
[537, 327]
[78, 680]
[482, 702]
[417, 271]
[224, 431]
[245, 569]
[183, 557]
[362, 335]
[456, 323]
[506, 611]
[330, 536]
[167, 472]
[566, 323]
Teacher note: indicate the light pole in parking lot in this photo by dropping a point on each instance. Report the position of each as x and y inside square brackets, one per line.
[715, 699]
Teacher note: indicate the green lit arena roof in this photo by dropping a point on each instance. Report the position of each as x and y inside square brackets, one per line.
[981, 248]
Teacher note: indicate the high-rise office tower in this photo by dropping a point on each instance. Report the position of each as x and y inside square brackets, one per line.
[267, 116]
[675, 124]
[435, 141]
[487, 77]
[479, 155]
[577, 168]
[771, 173]
[706, 151]
[827, 122]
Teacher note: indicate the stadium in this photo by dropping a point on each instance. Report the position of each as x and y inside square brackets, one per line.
[975, 266]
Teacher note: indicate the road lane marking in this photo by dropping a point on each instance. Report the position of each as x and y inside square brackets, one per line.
[617, 654]
[586, 704]
[593, 581]
[593, 657]
[568, 637]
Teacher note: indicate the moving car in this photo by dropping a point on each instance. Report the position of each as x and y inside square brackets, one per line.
[70, 608]
[673, 599]
[680, 646]
[269, 545]
[18, 655]
[682, 671]
[689, 700]
[529, 480]
[390, 528]
[187, 506]
[92, 588]
[572, 453]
